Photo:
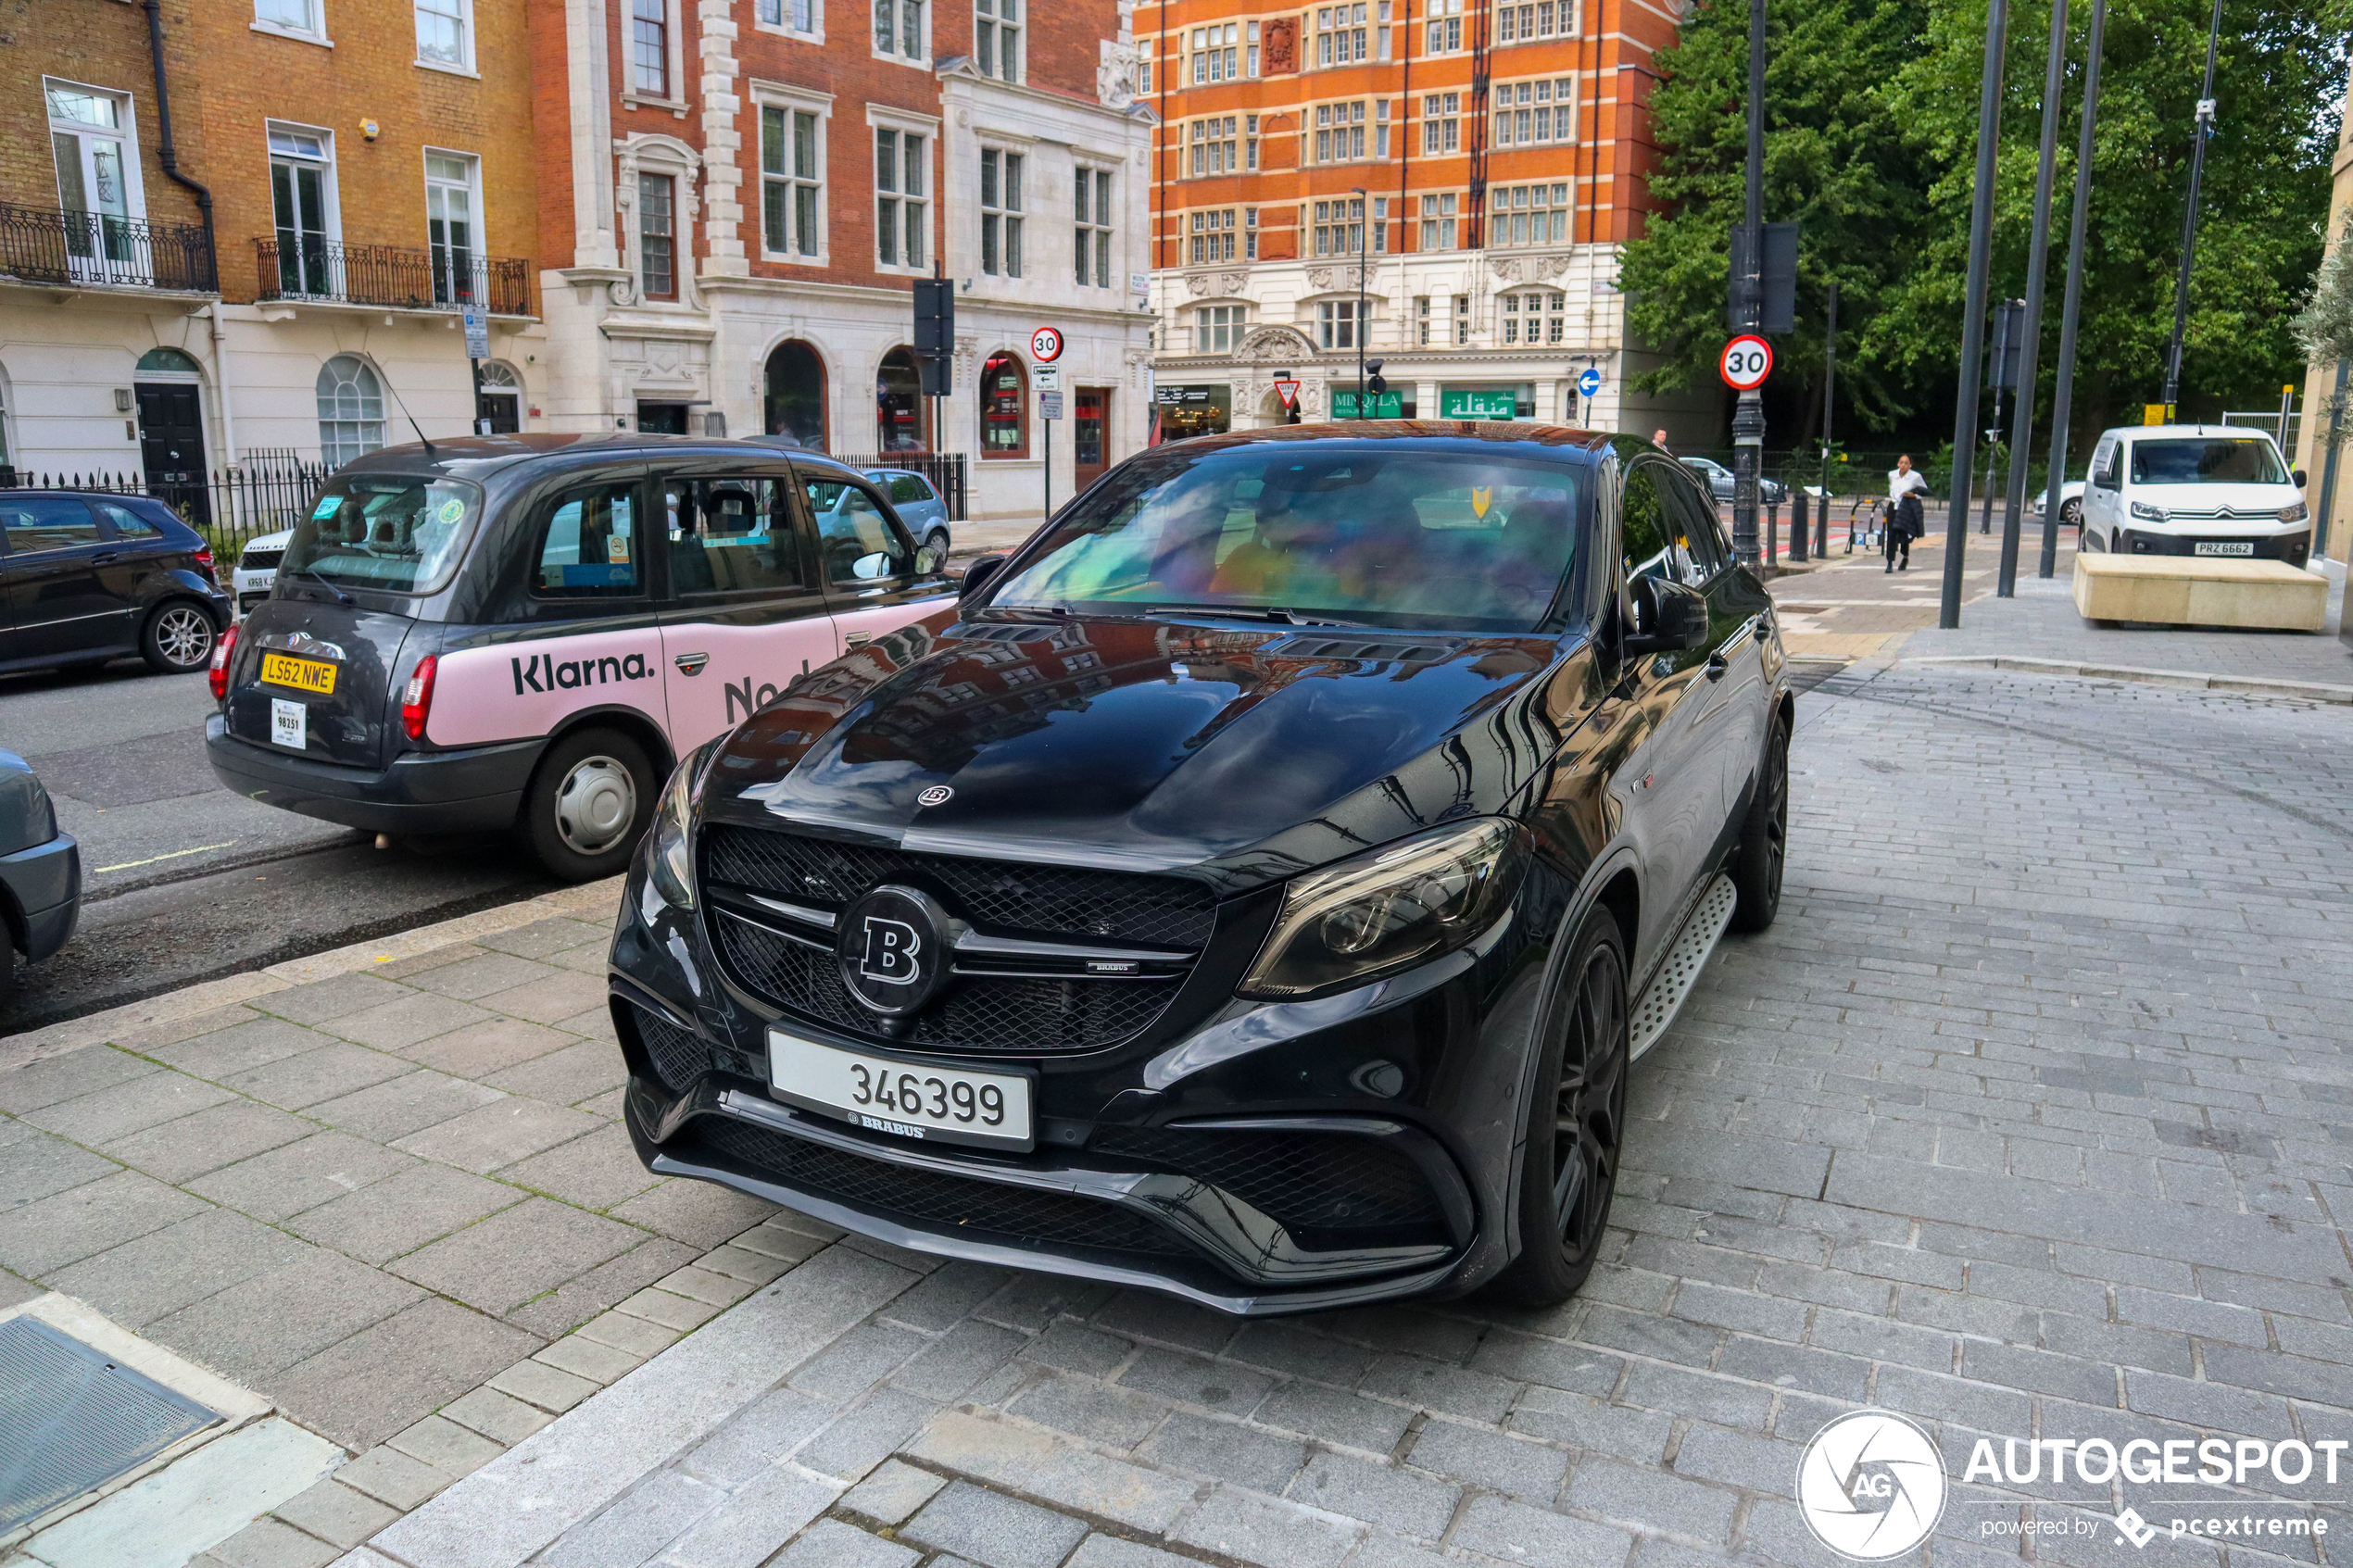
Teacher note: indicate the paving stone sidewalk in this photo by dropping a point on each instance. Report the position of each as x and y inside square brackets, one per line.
[2031, 1117]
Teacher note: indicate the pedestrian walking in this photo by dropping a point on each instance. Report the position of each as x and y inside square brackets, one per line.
[1907, 518]
[1658, 439]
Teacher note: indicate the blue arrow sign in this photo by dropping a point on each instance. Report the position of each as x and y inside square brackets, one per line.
[1589, 381]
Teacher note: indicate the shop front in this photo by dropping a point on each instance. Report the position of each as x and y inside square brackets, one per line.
[1193, 410]
[1490, 401]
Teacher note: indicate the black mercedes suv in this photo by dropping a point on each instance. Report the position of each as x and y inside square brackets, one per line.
[1257, 888]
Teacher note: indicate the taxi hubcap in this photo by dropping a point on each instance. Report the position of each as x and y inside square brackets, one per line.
[595, 807]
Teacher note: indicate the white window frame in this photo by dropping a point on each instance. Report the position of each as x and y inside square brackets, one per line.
[480, 240]
[1005, 59]
[464, 11]
[1013, 221]
[125, 133]
[1211, 236]
[1442, 33]
[330, 188]
[672, 95]
[315, 33]
[906, 124]
[1234, 326]
[785, 26]
[896, 54]
[1332, 315]
[776, 95]
[1103, 194]
[336, 454]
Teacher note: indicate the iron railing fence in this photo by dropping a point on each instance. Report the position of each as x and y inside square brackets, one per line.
[229, 506]
[441, 278]
[96, 249]
[949, 473]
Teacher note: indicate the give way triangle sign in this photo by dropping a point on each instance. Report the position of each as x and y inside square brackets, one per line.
[1288, 390]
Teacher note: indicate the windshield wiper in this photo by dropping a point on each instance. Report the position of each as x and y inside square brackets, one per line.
[1246, 612]
[340, 596]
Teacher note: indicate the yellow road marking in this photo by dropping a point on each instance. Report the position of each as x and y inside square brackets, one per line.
[173, 855]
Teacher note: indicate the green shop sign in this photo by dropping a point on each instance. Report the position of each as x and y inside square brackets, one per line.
[1463, 403]
[1385, 405]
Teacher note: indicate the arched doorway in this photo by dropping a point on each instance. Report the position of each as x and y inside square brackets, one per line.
[169, 389]
[797, 394]
[1004, 408]
[899, 404]
[498, 404]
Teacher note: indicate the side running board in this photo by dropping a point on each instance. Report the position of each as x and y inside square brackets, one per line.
[1682, 971]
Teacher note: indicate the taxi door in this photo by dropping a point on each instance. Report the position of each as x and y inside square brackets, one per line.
[874, 579]
[745, 615]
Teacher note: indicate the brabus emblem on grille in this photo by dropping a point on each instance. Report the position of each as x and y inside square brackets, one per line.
[892, 946]
[938, 795]
[892, 949]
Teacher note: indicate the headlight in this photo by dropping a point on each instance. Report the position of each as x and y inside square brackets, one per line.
[670, 864]
[2296, 513]
[2148, 513]
[1377, 913]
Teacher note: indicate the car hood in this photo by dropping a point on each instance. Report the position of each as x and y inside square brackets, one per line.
[1151, 745]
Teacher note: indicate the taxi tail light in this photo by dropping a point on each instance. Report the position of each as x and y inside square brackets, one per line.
[220, 652]
[416, 703]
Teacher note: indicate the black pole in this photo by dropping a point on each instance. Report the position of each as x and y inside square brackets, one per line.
[2328, 468]
[1748, 418]
[2189, 218]
[1980, 234]
[2038, 262]
[1362, 237]
[2063, 394]
[1830, 388]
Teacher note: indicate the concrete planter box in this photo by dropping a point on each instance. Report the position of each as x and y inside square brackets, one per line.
[2195, 591]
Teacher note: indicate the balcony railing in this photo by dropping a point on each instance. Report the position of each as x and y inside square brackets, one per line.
[95, 249]
[393, 276]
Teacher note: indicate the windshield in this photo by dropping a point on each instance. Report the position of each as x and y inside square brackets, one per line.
[1391, 538]
[394, 533]
[2218, 461]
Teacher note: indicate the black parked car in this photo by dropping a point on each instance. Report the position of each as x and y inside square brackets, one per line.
[1255, 890]
[94, 576]
[40, 871]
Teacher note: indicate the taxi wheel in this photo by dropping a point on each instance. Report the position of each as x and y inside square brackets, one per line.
[589, 804]
[178, 639]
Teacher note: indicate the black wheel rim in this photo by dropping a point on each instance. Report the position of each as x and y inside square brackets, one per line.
[1777, 818]
[1590, 1113]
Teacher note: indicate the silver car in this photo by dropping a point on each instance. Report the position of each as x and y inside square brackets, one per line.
[1719, 478]
[918, 505]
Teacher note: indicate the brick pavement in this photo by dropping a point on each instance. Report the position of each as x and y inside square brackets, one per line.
[2029, 1118]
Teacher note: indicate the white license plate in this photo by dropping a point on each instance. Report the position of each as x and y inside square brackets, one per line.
[289, 723]
[2223, 547]
[910, 1100]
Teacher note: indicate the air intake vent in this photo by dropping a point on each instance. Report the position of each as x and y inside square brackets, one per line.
[1364, 649]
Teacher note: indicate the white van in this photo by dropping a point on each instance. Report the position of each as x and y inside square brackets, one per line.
[2195, 490]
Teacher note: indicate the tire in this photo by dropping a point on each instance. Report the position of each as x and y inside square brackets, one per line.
[178, 638]
[7, 962]
[938, 540]
[2071, 514]
[1581, 1091]
[1763, 846]
[589, 801]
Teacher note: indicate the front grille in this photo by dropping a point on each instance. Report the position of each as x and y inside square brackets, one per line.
[261, 561]
[679, 1057]
[1034, 901]
[977, 1014]
[931, 1197]
[1303, 1181]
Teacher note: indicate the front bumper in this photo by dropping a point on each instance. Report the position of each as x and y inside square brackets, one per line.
[2294, 548]
[1157, 1161]
[44, 883]
[475, 790]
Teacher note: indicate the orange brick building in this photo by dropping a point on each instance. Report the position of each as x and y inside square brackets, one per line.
[1442, 184]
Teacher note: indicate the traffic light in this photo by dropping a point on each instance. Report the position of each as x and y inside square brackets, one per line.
[1375, 383]
[1763, 292]
[935, 334]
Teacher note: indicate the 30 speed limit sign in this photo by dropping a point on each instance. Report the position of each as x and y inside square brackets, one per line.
[1045, 345]
[1747, 361]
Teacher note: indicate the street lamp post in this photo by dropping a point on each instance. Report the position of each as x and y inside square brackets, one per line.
[1748, 415]
[2189, 216]
[2038, 263]
[2063, 392]
[1364, 218]
[1980, 234]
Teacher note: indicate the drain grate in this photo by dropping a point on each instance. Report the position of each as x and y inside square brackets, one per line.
[72, 1419]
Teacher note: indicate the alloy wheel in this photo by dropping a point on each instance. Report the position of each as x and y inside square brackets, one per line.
[1777, 815]
[1589, 1118]
[184, 636]
[596, 804]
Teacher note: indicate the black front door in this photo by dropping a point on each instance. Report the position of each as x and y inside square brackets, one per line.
[172, 447]
[663, 419]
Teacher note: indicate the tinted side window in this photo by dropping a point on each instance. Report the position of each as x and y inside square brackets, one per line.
[46, 522]
[1645, 536]
[1704, 551]
[730, 535]
[129, 524]
[859, 542]
[589, 545]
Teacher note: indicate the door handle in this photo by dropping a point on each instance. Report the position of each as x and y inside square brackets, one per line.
[692, 663]
[105, 557]
[857, 639]
[1716, 664]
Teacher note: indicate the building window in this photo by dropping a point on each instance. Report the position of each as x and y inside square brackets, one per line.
[902, 204]
[450, 234]
[302, 198]
[898, 28]
[796, 400]
[997, 39]
[444, 35]
[1220, 328]
[1380, 128]
[1441, 122]
[97, 173]
[1339, 132]
[1529, 215]
[657, 236]
[1217, 54]
[351, 409]
[1421, 319]
[788, 182]
[1438, 223]
[1461, 320]
[290, 16]
[1341, 34]
[1214, 149]
[1250, 52]
[649, 46]
[797, 15]
[1444, 34]
[1000, 212]
[1380, 225]
[1004, 408]
[1212, 237]
[1532, 113]
[1336, 323]
[1339, 227]
[1537, 316]
[1144, 69]
[1091, 219]
[1525, 24]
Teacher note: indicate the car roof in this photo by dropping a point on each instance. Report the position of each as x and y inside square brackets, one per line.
[1482, 436]
[478, 456]
[2142, 433]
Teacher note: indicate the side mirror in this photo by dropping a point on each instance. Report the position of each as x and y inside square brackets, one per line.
[980, 574]
[929, 561]
[2298, 475]
[1668, 616]
[873, 566]
[2103, 479]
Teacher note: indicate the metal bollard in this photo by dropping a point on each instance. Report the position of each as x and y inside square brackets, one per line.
[1797, 528]
[1773, 532]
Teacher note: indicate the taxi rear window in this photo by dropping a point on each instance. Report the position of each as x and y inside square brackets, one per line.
[396, 533]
